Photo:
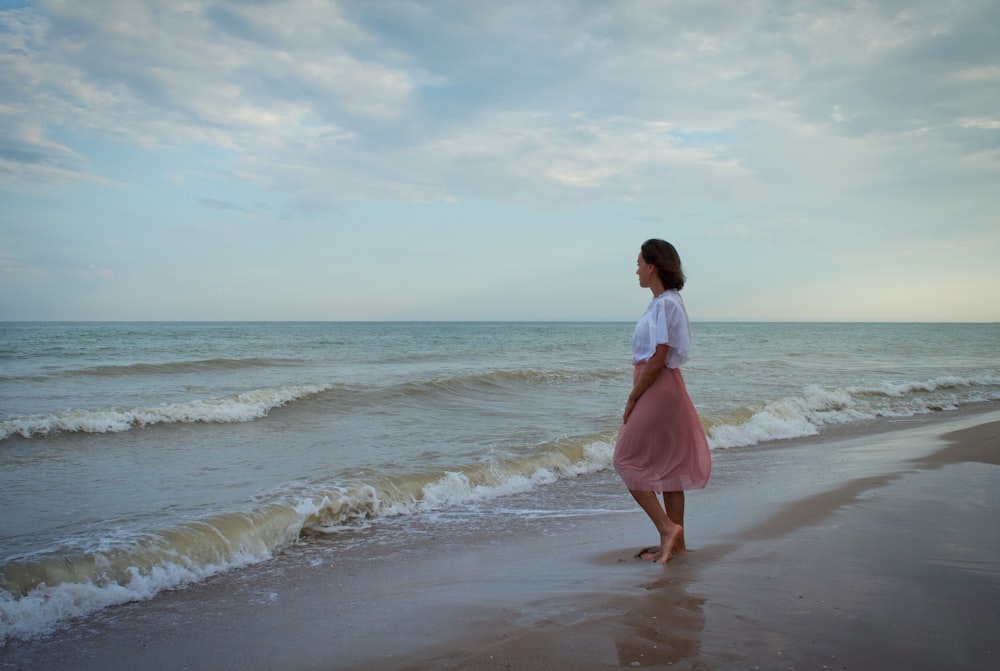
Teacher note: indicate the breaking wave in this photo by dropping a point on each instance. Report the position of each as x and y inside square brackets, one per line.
[40, 591]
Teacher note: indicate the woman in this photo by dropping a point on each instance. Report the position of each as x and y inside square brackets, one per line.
[661, 447]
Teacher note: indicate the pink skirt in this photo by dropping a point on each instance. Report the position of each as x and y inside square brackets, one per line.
[662, 447]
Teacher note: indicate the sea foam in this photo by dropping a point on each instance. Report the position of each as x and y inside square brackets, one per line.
[804, 414]
[40, 592]
[243, 407]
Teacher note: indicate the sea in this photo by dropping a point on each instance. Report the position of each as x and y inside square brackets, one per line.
[142, 457]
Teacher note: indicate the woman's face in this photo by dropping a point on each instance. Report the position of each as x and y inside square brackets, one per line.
[645, 271]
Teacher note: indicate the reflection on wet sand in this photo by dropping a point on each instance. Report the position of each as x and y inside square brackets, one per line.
[663, 627]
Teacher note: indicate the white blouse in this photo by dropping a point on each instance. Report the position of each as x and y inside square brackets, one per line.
[665, 322]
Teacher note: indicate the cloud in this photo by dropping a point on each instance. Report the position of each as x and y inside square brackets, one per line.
[93, 272]
[985, 124]
[223, 205]
[782, 126]
[431, 101]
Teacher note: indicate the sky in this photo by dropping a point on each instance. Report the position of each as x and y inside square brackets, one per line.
[462, 160]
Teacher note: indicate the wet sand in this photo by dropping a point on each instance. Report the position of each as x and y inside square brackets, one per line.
[871, 551]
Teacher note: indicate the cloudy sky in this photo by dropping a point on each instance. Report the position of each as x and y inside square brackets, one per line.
[446, 159]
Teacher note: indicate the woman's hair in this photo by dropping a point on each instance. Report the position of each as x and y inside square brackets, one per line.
[667, 261]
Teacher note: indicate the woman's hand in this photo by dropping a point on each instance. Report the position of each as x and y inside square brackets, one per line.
[652, 369]
[629, 406]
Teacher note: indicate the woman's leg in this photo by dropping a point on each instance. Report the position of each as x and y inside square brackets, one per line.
[669, 532]
[674, 504]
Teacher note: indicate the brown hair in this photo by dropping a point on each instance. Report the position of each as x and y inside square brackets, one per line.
[667, 261]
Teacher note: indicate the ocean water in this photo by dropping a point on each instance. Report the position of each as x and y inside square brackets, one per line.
[139, 457]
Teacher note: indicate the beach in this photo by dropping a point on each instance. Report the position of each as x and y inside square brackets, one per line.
[862, 548]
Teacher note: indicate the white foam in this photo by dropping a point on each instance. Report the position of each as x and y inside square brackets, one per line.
[803, 415]
[120, 569]
[46, 607]
[342, 508]
[228, 409]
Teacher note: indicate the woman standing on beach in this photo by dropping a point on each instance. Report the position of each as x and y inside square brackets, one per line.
[661, 447]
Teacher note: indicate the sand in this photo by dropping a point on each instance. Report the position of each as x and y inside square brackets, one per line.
[871, 551]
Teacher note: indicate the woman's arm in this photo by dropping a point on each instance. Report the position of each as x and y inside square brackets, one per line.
[648, 376]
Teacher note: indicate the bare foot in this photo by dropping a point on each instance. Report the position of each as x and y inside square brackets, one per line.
[648, 554]
[680, 547]
[667, 543]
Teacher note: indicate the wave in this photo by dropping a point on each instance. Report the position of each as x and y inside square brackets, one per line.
[493, 380]
[194, 366]
[228, 409]
[804, 415]
[39, 592]
[156, 369]
[256, 404]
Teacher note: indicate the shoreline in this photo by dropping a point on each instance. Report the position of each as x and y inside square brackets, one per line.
[856, 550]
[854, 577]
